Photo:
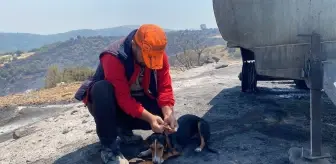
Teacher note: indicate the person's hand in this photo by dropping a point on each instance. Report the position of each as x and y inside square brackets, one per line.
[169, 119]
[157, 124]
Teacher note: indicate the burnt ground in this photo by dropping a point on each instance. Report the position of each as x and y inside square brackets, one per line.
[246, 128]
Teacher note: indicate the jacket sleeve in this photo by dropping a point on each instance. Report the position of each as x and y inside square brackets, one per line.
[164, 85]
[114, 73]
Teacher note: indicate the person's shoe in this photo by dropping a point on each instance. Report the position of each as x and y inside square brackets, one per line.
[128, 137]
[112, 155]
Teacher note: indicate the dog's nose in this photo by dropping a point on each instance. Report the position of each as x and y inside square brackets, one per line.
[156, 161]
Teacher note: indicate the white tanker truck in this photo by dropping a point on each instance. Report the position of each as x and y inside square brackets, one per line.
[285, 39]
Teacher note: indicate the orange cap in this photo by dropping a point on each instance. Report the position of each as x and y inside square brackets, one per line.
[152, 41]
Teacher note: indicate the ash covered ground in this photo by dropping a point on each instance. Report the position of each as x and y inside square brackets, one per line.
[247, 128]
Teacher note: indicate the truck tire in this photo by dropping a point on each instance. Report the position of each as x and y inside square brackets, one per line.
[301, 84]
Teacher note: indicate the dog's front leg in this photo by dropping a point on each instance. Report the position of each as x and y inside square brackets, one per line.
[145, 153]
[168, 155]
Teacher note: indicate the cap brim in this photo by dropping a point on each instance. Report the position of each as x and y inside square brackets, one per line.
[154, 62]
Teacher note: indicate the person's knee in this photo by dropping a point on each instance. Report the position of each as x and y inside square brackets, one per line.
[102, 99]
[102, 89]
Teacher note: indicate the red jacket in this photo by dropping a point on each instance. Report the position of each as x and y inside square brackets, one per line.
[121, 85]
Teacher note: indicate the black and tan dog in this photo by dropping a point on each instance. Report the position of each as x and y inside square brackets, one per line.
[162, 146]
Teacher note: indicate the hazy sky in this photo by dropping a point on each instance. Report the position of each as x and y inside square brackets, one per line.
[54, 16]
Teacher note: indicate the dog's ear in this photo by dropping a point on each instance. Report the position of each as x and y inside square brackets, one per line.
[168, 143]
[162, 139]
[150, 139]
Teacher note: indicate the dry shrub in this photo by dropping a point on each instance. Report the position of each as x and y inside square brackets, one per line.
[54, 76]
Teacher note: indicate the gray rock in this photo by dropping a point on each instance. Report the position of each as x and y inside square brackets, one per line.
[74, 112]
[24, 131]
[221, 66]
[66, 130]
[84, 121]
[216, 59]
[89, 131]
[86, 115]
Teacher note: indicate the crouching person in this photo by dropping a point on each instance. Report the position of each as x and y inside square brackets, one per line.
[131, 89]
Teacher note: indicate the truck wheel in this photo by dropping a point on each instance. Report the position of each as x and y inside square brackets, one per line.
[301, 84]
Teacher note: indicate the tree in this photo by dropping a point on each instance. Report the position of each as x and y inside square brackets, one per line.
[191, 43]
[53, 77]
[18, 52]
[198, 45]
[203, 26]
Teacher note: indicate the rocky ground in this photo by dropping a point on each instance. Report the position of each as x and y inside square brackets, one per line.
[247, 128]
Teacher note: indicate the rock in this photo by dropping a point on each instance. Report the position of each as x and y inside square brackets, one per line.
[66, 130]
[89, 131]
[50, 119]
[60, 84]
[221, 66]
[86, 115]
[80, 106]
[25, 131]
[216, 59]
[74, 112]
[29, 91]
[16, 135]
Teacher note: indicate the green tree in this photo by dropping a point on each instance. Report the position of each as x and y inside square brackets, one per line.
[53, 77]
[18, 52]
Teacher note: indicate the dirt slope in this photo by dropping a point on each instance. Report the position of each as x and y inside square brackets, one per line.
[62, 93]
[247, 128]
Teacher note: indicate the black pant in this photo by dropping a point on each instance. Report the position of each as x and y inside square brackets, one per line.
[108, 115]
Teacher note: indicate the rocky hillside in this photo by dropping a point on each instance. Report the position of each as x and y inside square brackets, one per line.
[29, 72]
[20, 75]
